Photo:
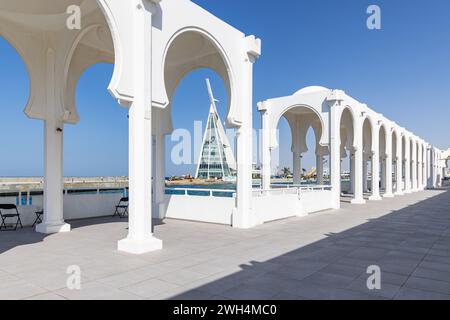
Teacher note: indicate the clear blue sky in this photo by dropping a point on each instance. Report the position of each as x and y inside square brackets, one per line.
[402, 71]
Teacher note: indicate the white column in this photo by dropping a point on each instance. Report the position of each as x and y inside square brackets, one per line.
[319, 166]
[53, 220]
[375, 163]
[399, 190]
[407, 166]
[160, 176]
[140, 234]
[399, 170]
[419, 168]
[335, 153]
[414, 167]
[243, 216]
[358, 164]
[375, 177]
[297, 167]
[430, 168]
[383, 172]
[352, 170]
[365, 172]
[388, 163]
[265, 151]
[435, 168]
[424, 167]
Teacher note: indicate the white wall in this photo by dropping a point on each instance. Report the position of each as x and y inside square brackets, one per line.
[27, 214]
[269, 207]
[200, 208]
[81, 206]
[315, 201]
[274, 207]
[76, 206]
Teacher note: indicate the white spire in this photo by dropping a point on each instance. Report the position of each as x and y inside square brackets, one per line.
[216, 159]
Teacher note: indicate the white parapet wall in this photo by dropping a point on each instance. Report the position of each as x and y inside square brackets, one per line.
[76, 205]
[82, 206]
[268, 205]
[316, 200]
[271, 207]
[199, 208]
[211, 206]
[276, 204]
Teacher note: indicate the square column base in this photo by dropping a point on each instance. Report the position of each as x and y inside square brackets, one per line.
[358, 201]
[247, 222]
[375, 198]
[139, 246]
[49, 228]
[400, 193]
[162, 210]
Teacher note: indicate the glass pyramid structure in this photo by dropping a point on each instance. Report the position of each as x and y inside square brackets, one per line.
[216, 160]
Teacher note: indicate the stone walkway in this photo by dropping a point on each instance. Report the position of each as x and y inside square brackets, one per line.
[322, 256]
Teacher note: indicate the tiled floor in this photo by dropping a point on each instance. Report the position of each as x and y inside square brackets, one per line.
[323, 256]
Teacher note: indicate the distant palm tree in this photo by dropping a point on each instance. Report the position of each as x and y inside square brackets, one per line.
[286, 172]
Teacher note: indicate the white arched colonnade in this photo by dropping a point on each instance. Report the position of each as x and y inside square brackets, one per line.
[398, 161]
[152, 47]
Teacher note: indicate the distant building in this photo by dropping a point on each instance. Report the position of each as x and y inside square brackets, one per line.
[216, 160]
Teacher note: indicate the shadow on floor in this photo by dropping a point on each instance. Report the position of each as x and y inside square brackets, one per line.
[28, 235]
[12, 239]
[411, 246]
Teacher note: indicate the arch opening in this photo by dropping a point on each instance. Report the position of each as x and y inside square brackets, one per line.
[383, 158]
[302, 126]
[94, 45]
[367, 156]
[396, 182]
[190, 50]
[86, 154]
[22, 136]
[347, 146]
[404, 159]
[197, 129]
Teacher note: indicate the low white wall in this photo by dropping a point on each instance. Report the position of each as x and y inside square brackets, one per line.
[267, 207]
[315, 201]
[274, 207]
[81, 206]
[76, 206]
[27, 213]
[199, 208]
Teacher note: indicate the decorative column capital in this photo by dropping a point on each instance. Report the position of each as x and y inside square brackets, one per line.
[263, 107]
[253, 47]
[335, 98]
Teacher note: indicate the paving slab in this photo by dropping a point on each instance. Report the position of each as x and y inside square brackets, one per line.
[321, 256]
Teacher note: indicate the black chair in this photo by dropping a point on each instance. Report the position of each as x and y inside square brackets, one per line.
[39, 215]
[122, 208]
[4, 216]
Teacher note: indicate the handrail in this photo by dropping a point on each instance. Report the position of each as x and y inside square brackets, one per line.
[292, 189]
[24, 197]
[209, 192]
